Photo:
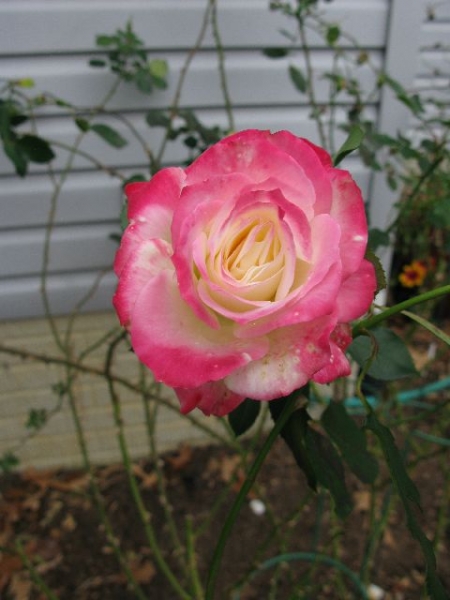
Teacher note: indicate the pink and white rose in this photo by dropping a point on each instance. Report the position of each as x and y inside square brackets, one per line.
[238, 275]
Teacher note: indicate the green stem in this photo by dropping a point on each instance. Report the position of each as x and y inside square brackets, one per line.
[237, 505]
[34, 574]
[192, 559]
[134, 488]
[222, 72]
[373, 320]
[96, 495]
[316, 558]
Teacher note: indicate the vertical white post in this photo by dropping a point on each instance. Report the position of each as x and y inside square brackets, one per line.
[401, 63]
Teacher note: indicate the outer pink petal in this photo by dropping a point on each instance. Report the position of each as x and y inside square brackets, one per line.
[212, 398]
[338, 365]
[314, 161]
[148, 259]
[356, 293]
[163, 189]
[150, 211]
[253, 153]
[348, 210]
[296, 354]
[179, 348]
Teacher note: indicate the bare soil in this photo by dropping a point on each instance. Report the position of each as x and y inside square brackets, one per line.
[53, 517]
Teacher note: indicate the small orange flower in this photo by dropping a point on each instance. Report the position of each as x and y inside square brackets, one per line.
[413, 274]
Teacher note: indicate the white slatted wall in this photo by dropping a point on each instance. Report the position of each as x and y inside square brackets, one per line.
[52, 42]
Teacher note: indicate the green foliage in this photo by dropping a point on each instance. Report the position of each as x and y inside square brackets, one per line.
[37, 418]
[409, 496]
[127, 57]
[277, 52]
[243, 417]
[21, 148]
[388, 355]
[109, 135]
[352, 143]
[8, 461]
[379, 271]
[298, 79]
[351, 441]
[315, 455]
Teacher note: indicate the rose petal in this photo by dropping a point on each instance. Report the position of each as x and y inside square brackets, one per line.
[180, 349]
[295, 354]
[356, 293]
[148, 259]
[150, 212]
[212, 398]
[253, 154]
[348, 210]
[338, 365]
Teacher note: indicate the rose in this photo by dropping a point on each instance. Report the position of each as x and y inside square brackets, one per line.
[238, 275]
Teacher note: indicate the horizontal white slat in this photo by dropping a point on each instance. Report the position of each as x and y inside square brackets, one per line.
[252, 78]
[21, 298]
[434, 63]
[75, 248]
[84, 198]
[435, 34]
[64, 131]
[437, 10]
[28, 27]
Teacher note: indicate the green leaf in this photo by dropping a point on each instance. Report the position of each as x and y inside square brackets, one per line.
[82, 124]
[378, 238]
[243, 417]
[25, 82]
[144, 80]
[157, 118]
[109, 135]
[332, 35]
[408, 494]
[106, 40]
[36, 149]
[37, 418]
[294, 433]
[351, 441]
[97, 63]
[275, 52]
[298, 79]
[328, 470]
[392, 359]
[15, 155]
[158, 68]
[379, 271]
[353, 141]
[441, 335]
[136, 177]
[8, 461]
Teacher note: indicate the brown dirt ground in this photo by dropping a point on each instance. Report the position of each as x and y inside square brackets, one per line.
[53, 515]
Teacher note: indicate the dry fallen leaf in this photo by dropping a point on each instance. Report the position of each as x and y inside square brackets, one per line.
[20, 586]
[144, 572]
[181, 458]
[148, 480]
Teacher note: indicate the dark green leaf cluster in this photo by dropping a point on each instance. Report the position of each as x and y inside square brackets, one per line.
[21, 148]
[126, 56]
[37, 418]
[321, 449]
[184, 124]
[8, 461]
